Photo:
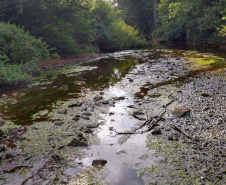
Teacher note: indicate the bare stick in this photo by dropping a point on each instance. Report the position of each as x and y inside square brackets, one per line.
[179, 130]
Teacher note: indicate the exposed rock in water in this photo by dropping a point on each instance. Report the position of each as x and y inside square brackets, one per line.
[180, 111]
[86, 114]
[59, 123]
[143, 157]
[98, 98]
[121, 152]
[205, 94]
[138, 113]
[156, 132]
[105, 102]
[85, 118]
[62, 111]
[78, 104]
[94, 125]
[81, 142]
[99, 163]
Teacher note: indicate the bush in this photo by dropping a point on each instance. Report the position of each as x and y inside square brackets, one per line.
[19, 46]
[10, 73]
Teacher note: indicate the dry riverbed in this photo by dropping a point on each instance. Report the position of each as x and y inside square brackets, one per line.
[133, 117]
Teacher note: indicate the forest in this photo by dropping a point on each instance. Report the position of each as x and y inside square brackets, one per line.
[35, 30]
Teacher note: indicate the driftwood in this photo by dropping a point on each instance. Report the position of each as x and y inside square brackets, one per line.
[147, 123]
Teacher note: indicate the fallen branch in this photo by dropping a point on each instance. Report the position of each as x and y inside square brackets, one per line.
[158, 119]
[179, 130]
[147, 122]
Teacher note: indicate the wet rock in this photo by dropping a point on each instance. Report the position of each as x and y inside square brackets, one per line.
[92, 125]
[205, 94]
[137, 113]
[143, 157]
[2, 122]
[56, 157]
[121, 152]
[81, 141]
[121, 98]
[156, 132]
[111, 113]
[75, 118]
[99, 163]
[98, 98]
[9, 156]
[85, 118]
[58, 123]
[130, 80]
[78, 104]
[2, 148]
[86, 114]
[101, 93]
[180, 111]
[62, 111]
[105, 102]
[1, 133]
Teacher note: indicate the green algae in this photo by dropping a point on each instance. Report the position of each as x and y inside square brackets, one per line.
[172, 169]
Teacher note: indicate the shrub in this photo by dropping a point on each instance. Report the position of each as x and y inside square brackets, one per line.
[19, 46]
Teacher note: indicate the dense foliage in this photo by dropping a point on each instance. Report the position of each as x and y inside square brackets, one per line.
[190, 21]
[67, 26]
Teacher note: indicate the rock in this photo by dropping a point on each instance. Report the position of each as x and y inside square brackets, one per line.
[1, 133]
[121, 152]
[2, 122]
[105, 102]
[81, 142]
[130, 80]
[59, 123]
[99, 163]
[205, 94]
[85, 118]
[101, 93]
[62, 111]
[205, 108]
[98, 98]
[180, 111]
[9, 156]
[86, 114]
[78, 104]
[156, 132]
[143, 157]
[2, 148]
[121, 98]
[75, 118]
[56, 157]
[95, 125]
[138, 113]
